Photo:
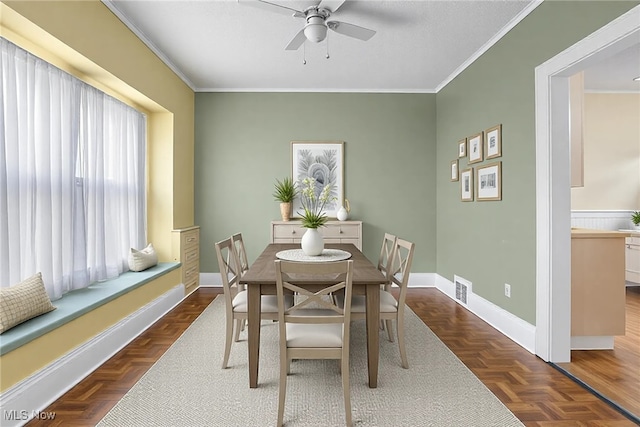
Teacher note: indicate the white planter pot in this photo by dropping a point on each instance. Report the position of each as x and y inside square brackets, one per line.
[312, 242]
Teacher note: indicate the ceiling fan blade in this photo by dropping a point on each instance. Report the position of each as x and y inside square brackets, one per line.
[297, 41]
[273, 7]
[332, 5]
[351, 30]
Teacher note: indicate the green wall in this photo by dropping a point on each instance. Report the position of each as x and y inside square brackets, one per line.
[242, 144]
[493, 243]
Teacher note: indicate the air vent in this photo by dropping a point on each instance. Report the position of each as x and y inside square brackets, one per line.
[463, 289]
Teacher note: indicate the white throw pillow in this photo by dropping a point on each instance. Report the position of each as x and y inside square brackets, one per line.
[140, 260]
[23, 301]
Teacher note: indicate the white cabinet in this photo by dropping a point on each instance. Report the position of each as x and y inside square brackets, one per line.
[333, 232]
[186, 249]
[632, 259]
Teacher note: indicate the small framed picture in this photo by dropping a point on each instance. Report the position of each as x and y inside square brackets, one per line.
[462, 148]
[493, 142]
[475, 148]
[454, 170]
[489, 182]
[466, 185]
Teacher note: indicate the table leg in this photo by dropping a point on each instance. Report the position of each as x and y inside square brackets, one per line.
[373, 337]
[253, 320]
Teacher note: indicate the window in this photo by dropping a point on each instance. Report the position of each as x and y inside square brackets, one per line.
[72, 176]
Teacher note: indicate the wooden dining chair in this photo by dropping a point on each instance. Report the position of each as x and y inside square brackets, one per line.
[241, 251]
[391, 308]
[235, 298]
[315, 327]
[386, 255]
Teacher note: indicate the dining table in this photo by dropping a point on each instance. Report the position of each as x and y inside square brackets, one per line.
[260, 279]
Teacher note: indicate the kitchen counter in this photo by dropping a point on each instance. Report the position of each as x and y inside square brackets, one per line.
[597, 287]
[588, 233]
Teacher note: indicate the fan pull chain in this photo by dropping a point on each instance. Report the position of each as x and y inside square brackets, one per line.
[327, 46]
[304, 53]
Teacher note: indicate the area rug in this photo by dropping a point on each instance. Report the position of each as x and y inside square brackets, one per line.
[187, 386]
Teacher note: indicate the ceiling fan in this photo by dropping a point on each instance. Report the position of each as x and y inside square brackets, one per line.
[315, 29]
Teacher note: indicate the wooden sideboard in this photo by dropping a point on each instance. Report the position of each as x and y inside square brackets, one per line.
[597, 283]
[333, 232]
[186, 250]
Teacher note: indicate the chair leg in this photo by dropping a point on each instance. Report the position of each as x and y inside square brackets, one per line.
[239, 326]
[227, 342]
[388, 324]
[401, 346]
[346, 390]
[282, 391]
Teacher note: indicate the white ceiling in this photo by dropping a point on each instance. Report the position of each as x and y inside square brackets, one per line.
[229, 45]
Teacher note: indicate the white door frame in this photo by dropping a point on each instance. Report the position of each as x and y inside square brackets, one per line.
[553, 184]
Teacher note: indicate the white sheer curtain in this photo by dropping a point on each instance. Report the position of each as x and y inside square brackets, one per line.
[72, 177]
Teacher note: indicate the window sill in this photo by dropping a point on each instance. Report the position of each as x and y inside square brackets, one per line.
[77, 303]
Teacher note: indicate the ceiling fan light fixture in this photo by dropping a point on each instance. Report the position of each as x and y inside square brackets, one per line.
[315, 30]
[637, 79]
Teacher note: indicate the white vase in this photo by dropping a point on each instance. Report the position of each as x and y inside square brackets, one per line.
[312, 242]
[342, 214]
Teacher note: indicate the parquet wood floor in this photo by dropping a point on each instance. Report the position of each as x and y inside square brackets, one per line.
[615, 373]
[534, 391]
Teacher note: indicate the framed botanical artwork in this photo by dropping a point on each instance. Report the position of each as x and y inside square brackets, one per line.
[462, 148]
[475, 148]
[454, 170]
[489, 182]
[323, 161]
[466, 185]
[493, 142]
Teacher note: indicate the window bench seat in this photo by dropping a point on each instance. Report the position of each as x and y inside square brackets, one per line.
[76, 303]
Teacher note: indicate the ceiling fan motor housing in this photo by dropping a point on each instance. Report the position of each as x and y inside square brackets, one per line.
[316, 29]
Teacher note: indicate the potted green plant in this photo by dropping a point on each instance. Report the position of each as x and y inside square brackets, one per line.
[285, 191]
[635, 218]
[312, 215]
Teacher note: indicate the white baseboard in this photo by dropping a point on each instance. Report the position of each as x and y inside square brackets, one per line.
[210, 280]
[26, 399]
[514, 328]
[417, 280]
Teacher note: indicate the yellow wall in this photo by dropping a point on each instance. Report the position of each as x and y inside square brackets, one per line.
[88, 40]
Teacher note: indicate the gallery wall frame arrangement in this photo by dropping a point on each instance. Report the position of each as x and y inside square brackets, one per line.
[454, 170]
[489, 182]
[466, 185]
[493, 142]
[323, 161]
[462, 148]
[475, 148]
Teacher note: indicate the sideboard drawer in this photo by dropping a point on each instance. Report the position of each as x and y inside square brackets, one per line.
[341, 231]
[333, 232]
[288, 231]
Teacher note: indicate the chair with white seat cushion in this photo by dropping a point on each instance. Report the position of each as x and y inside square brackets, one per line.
[235, 298]
[314, 327]
[390, 307]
